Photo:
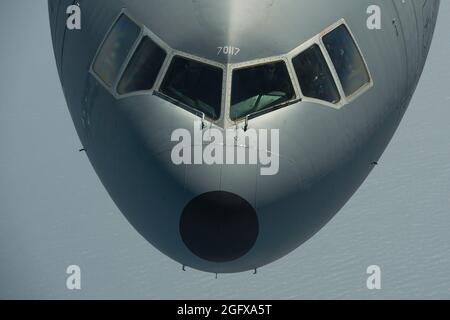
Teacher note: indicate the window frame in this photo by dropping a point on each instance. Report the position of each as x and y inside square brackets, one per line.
[225, 116]
[164, 70]
[127, 63]
[333, 74]
[255, 63]
[316, 40]
[144, 32]
[365, 87]
[102, 44]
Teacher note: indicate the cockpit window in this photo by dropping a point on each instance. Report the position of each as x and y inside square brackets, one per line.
[143, 68]
[259, 88]
[314, 76]
[115, 49]
[347, 59]
[195, 84]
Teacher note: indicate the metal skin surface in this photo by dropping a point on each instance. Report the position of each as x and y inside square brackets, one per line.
[325, 153]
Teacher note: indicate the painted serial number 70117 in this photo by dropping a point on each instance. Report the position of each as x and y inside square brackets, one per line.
[228, 51]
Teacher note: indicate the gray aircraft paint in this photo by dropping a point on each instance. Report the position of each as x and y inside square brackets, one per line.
[127, 140]
[55, 212]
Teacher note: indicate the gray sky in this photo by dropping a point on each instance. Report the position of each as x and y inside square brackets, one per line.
[54, 212]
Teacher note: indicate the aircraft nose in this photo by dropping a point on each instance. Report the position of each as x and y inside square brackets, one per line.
[219, 226]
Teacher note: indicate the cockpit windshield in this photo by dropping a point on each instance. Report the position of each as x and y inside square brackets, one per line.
[195, 84]
[143, 68]
[329, 68]
[314, 76]
[258, 88]
[347, 59]
[115, 49]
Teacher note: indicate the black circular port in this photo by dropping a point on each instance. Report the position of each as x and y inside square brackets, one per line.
[219, 226]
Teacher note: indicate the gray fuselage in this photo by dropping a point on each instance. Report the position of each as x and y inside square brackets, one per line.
[325, 153]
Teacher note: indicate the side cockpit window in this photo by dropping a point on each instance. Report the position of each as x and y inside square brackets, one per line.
[314, 76]
[347, 60]
[196, 85]
[143, 69]
[259, 88]
[115, 49]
